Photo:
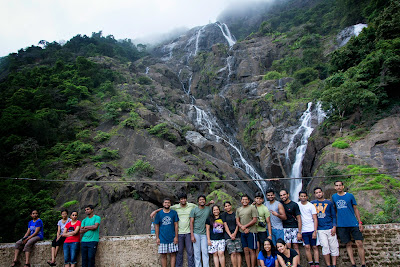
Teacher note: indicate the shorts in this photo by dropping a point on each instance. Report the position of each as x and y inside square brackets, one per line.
[291, 235]
[249, 240]
[262, 236]
[308, 240]
[167, 248]
[345, 234]
[57, 243]
[216, 245]
[234, 245]
[328, 242]
[28, 246]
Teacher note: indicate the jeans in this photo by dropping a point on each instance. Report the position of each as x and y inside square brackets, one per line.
[276, 234]
[185, 241]
[71, 252]
[200, 248]
[88, 250]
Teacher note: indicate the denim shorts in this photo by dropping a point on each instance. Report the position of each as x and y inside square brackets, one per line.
[71, 251]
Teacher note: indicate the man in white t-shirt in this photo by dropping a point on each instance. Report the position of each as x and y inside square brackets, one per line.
[309, 227]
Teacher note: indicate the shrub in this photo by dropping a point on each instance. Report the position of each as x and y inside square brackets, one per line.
[272, 75]
[306, 75]
[102, 136]
[106, 154]
[340, 144]
[162, 130]
[143, 80]
[134, 121]
[70, 203]
[330, 169]
[142, 167]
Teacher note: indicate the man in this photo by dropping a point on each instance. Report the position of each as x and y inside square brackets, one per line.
[198, 235]
[246, 219]
[348, 222]
[292, 224]
[90, 237]
[183, 208]
[277, 215]
[326, 227]
[309, 226]
[232, 235]
[263, 222]
[166, 223]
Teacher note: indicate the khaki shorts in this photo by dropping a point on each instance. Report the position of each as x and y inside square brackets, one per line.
[29, 244]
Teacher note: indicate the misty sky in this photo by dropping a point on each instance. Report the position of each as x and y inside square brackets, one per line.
[25, 22]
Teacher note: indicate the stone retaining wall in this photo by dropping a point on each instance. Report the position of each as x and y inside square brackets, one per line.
[382, 246]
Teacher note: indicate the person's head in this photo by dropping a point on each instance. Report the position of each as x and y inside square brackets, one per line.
[339, 186]
[201, 200]
[284, 195]
[182, 198]
[318, 193]
[74, 215]
[245, 200]
[35, 214]
[215, 211]
[303, 196]
[268, 247]
[166, 203]
[227, 206]
[64, 214]
[270, 195]
[89, 209]
[280, 245]
[259, 198]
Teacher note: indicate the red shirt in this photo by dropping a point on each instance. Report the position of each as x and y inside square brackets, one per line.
[71, 228]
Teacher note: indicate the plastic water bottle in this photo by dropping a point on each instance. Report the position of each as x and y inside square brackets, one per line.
[152, 228]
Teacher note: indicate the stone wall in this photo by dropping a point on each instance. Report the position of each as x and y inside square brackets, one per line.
[382, 245]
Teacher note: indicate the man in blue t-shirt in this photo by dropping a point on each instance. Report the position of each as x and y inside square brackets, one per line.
[166, 223]
[348, 222]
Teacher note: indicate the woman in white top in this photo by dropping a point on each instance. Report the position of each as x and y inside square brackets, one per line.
[59, 240]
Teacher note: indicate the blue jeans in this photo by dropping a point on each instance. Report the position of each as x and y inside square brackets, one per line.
[71, 252]
[276, 234]
[200, 250]
[88, 250]
[185, 241]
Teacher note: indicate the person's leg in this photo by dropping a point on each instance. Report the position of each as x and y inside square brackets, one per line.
[316, 255]
[234, 259]
[173, 259]
[92, 253]
[307, 248]
[164, 260]
[247, 256]
[361, 251]
[74, 250]
[215, 259]
[324, 241]
[349, 249]
[29, 247]
[189, 250]
[197, 251]
[84, 254]
[67, 254]
[181, 248]
[239, 259]
[16, 252]
[221, 256]
[204, 251]
[261, 236]
[27, 255]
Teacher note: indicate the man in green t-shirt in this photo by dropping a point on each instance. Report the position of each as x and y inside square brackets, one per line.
[246, 219]
[263, 222]
[90, 236]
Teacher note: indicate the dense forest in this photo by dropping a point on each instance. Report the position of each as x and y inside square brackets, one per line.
[53, 95]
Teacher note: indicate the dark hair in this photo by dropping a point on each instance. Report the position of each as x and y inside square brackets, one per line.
[166, 199]
[201, 196]
[212, 217]
[245, 195]
[259, 194]
[90, 207]
[316, 188]
[64, 210]
[270, 190]
[227, 202]
[280, 240]
[303, 192]
[75, 211]
[34, 210]
[338, 181]
[182, 195]
[273, 249]
[284, 190]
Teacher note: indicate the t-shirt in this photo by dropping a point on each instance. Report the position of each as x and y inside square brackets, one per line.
[167, 225]
[307, 221]
[292, 210]
[183, 214]
[200, 216]
[289, 261]
[268, 261]
[91, 235]
[245, 215]
[345, 211]
[70, 228]
[276, 223]
[216, 229]
[62, 225]
[326, 214]
[33, 225]
[263, 214]
[230, 220]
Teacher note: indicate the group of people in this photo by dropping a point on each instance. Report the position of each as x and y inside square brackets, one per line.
[268, 234]
[72, 234]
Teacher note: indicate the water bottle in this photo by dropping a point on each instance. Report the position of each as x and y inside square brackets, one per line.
[152, 228]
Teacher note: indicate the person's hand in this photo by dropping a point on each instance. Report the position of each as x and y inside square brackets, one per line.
[176, 240]
[158, 241]
[333, 231]
[233, 236]
[314, 235]
[193, 239]
[243, 227]
[274, 213]
[209, 242]
[269, 237]
[299, 237]
[24, 241]
[246, 231]
[361, 227]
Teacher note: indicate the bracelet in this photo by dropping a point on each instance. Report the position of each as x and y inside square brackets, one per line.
[360, 222]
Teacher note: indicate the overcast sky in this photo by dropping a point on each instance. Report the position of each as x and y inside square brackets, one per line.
[25, 22]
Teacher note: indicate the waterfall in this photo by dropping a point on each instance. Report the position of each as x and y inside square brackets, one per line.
[198, 39]
[300, 138]
[226, 33]
[147, 71]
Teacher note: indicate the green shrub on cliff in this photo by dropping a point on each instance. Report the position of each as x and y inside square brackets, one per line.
[141, 167]
[340, 144]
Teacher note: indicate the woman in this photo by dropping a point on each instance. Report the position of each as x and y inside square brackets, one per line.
[215, 237]
[72, 239]
[287, 256]
[232, 235]
[267, 255]
[32, 235]
[59, 240]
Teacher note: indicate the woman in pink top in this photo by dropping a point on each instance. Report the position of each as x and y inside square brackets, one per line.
[72, 240]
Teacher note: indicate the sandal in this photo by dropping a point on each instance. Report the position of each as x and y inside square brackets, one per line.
[15, 263]
[51, 263]
[27, 265]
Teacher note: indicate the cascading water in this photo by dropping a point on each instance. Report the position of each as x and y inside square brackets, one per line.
[300, 138]
[226, 33]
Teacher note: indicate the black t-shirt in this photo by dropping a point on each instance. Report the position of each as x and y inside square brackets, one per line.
[216, 229]
[291, 210]
[289, 261]
[230, 220]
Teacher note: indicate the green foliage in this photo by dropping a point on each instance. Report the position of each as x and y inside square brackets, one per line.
[106, 154]
[70, 203]
[134, 121]
[331, 169]
[272, 75]
[143, 80]
[102, 136]
[305, 75]
[83, 135]
[219, 197]
[340, 144]
[141, 167]
[162, 130]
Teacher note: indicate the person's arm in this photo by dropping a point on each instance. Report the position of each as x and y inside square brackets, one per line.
[154, 213]
[276, 263]
[282, 214]
[27, 233]
[157, 233]
[227, 230]
[210, 203]
[296, 261]
[37, 230]
[281, 261]
[208, 234]
[176, 233]
[358, 216]
[89, 228]
[334, 220]
[191, 230]
[73, 232]
[315, 218]
[235, 233]
[262, 264]
[299, 236]
[58, 232]
[269, 228]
